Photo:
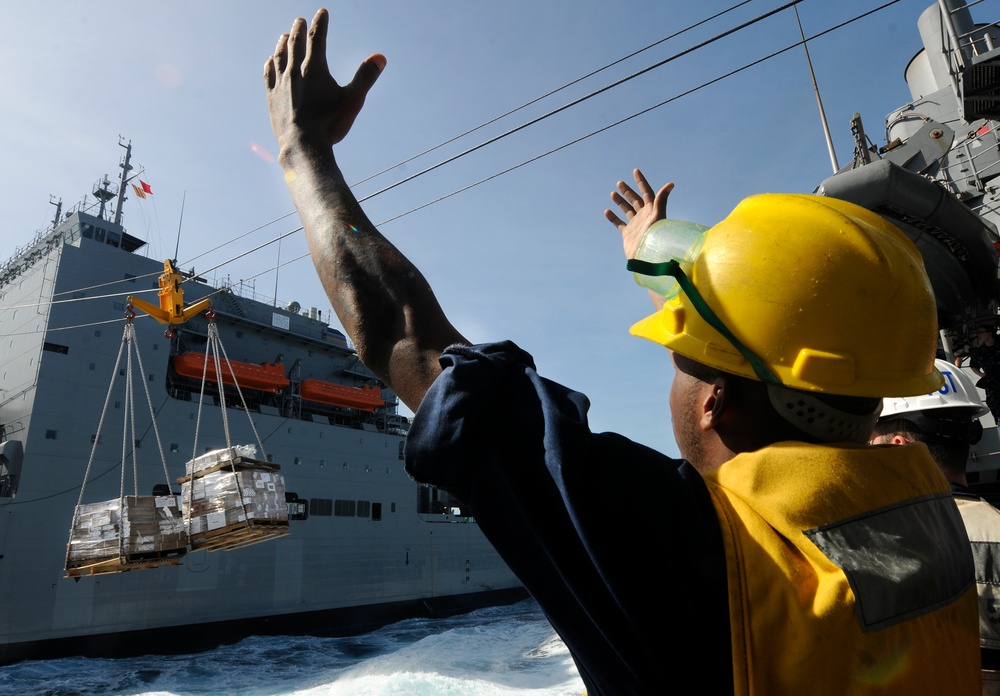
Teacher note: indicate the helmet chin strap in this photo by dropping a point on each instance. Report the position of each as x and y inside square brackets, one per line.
[820, 420]
[673, 268]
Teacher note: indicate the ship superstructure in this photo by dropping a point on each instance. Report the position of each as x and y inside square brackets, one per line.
[366, 545]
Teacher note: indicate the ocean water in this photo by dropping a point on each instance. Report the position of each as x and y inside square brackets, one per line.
[490, 652]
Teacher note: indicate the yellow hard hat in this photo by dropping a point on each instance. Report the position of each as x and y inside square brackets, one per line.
[811, 292]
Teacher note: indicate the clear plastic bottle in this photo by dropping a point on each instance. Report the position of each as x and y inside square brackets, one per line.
[665, 240]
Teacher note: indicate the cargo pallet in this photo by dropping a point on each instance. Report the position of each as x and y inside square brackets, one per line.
[122, 564]
[236, 536]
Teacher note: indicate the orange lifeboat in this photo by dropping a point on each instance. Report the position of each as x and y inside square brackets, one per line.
[361, 398]
[268, 377]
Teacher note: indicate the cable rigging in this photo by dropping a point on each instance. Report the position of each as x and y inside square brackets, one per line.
[110, 282]
[582, 99]
[638, 113]
[89, 324]
[551, 93]
[529, 123]
[237, 238]
[77, 299]
[571, 142]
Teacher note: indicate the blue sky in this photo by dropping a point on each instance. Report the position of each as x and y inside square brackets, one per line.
[527, 256]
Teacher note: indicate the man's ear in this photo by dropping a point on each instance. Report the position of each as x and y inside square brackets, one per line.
[713, 404]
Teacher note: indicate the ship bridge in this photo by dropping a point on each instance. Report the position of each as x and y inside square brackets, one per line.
[80, 225]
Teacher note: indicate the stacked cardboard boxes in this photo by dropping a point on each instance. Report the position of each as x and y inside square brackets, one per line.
[125, 534]
[231, 499]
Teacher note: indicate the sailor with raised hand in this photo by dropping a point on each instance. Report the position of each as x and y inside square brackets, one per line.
[383, 302]
[766, 555]
[784, 330]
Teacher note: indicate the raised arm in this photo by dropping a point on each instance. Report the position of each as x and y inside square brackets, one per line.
[641, 209]
[383, 301]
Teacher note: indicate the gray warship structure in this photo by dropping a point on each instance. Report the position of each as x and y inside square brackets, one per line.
[937, 178]
[366, 545]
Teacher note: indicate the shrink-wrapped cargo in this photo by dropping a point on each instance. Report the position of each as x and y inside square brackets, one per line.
[127, 533]
[213, 459]
[230, 499]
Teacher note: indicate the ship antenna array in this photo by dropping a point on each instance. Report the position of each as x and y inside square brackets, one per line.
[126, 167]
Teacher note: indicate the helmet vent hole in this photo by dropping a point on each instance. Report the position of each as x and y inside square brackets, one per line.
[823, 421]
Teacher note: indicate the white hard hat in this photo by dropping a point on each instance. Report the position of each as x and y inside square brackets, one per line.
[958, 392]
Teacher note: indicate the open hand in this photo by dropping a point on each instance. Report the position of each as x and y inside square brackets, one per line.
[641, 210]
[307, 106]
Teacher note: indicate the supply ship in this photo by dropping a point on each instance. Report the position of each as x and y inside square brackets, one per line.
[365, 545]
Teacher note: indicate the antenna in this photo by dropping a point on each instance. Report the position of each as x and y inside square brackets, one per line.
[177, 246]
[55, 220]
[819, 100]
[126, 167]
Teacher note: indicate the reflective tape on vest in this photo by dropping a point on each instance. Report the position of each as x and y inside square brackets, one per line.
[901, 561]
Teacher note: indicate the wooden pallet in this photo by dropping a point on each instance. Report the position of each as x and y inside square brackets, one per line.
[236, 536]
[120, 564]
[239, 464]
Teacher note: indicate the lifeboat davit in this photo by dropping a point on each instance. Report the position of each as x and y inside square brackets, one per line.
[361, 398]
[268, 377]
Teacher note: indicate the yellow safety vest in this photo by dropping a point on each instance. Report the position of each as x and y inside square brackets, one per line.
[849, 572]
